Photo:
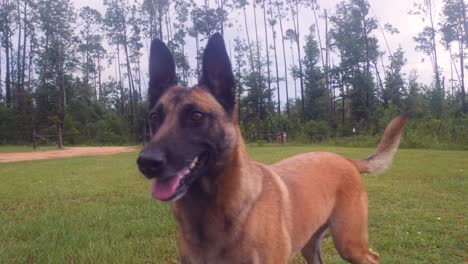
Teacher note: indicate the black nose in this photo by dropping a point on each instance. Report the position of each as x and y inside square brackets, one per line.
[151, 162]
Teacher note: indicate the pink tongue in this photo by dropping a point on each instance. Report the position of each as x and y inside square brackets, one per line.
[165, 190]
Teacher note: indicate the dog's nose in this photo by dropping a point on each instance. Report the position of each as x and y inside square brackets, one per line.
[151, 162]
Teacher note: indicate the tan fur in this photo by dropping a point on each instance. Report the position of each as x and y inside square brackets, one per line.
[267, 214]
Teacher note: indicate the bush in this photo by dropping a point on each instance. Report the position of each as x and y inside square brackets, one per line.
[316, 131]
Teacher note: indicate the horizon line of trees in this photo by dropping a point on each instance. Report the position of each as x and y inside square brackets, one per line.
[54, 60]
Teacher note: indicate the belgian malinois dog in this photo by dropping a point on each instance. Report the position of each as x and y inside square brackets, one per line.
[232, 209]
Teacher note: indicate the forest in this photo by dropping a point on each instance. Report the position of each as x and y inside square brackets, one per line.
[73, 76]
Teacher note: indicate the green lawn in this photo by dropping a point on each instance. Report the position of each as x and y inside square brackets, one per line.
[24, 148]
[99, 209]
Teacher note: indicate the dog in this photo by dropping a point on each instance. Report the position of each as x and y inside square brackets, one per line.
[232, 209]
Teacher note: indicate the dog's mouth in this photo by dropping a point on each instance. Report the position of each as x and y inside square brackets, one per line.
[176, 187]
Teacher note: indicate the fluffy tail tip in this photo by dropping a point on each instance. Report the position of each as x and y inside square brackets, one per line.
[382, 157]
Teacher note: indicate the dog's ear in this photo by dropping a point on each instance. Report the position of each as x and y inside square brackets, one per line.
[217, 73]
[162, 71]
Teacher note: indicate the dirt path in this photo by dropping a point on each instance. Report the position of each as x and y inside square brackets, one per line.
[64, 153]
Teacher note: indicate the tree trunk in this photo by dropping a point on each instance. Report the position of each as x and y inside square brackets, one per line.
[248, 41]
[34, 136]
[278, 107]
[87, 61]
[319, 37]
[251, 59]
[122, 103]
[384, 97]
[59, 135]
[139, 80]
[184, 73]
[221, 6]
[131, 88]
[7, 72]
[151, 24]
[465, 23]
[23, 69]
[44, 69]
[462, 75]
[1, 89]
[197, 46]
[343, 97]
[99, 74]
[294, 67]
[285, 62]
[366, 40]
[7, 57]
[30, 61]
[19, 93]
[436, 64]
[296, 28]
[160, 21]
[267, 49]
[166, 21]
[61, 104]
[327, 68]
[239, 92]
[463, 40]
[259, 65]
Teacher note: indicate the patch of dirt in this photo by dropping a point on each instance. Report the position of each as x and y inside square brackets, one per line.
[63, 153]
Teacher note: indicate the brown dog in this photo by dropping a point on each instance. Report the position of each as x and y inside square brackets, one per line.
[231, 209]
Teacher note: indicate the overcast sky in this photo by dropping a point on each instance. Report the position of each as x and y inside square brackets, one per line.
[394, 12]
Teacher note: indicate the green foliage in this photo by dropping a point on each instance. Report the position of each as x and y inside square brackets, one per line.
[316, 131]
[84, 71]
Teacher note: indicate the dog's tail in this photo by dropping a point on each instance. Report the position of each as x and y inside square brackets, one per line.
[382, 158]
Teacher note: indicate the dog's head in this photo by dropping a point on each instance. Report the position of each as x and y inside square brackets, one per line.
[193, 130]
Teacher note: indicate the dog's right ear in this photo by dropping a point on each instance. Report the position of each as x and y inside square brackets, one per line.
[162, 71]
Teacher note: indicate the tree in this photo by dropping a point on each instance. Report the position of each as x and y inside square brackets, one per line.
[7, 28]
[280, 17]
[273, 30]
[267, 49]
[291, 36]
[91, 43]
[135, 46]
[182, 9]
[394, 80]
[56, 55]
[295, 18]
[315, 99]
[153, 11]
[426, 39]
[352, 36]
[117, 21]
[453, 29]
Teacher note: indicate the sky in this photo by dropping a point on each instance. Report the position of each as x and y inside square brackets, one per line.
[394, 12]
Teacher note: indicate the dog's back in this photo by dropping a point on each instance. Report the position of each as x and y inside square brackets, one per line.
[321, 183]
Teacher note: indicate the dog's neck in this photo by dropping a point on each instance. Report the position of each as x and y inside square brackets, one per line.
[226, 205]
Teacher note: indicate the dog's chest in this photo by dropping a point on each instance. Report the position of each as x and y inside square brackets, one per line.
[216, 243]
[226, 256]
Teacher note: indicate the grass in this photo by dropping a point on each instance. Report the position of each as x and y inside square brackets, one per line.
[25, 148]
[99, 209]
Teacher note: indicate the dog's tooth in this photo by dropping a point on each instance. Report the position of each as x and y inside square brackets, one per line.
[194, 162]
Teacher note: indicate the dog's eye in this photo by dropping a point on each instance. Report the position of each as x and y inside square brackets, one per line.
[154, 117]
[197, 116]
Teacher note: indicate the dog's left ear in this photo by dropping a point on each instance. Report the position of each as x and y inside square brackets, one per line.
[217, 73]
